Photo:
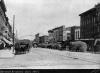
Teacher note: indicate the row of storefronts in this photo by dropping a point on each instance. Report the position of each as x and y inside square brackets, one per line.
[88, 31]
[63, 33]
[59, 34]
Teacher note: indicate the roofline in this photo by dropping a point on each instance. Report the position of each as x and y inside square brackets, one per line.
[87, 11]
[75, 26]
[50, 31]
[58, 27]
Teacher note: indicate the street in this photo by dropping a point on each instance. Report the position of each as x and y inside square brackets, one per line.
[40, 58]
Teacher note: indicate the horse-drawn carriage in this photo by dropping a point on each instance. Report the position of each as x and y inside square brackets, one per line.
[21, 47]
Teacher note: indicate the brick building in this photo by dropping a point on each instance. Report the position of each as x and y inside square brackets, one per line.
[61, 33]
[77, 33]
[67, 33]
[90, 23]
[57, 34]
[50, 37]
[73, 28]
[43, 39]
[36, 38]
[5, 27]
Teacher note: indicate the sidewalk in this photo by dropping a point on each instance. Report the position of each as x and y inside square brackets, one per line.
[6, 53]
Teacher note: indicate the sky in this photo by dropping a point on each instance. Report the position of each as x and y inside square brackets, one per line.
[39, 16]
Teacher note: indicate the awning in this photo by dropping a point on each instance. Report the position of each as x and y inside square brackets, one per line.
[7, 41]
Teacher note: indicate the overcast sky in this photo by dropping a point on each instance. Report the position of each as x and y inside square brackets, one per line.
[39, 16]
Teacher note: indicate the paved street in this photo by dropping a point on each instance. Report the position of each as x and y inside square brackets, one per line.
[40, 58]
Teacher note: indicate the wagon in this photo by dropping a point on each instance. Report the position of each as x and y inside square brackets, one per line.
[21, 48]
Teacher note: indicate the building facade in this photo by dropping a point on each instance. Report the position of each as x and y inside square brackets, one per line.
[43, 39]
[61, 33]
[36, 38]
[57, 34]
[77, 33]
[50, 37]
[73, 28]
[67, 34]
[90, 23]
[5, 27]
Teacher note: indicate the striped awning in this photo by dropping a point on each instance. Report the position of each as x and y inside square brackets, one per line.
[7, 41]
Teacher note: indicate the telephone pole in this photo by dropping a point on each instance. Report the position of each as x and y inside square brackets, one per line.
[13, 31]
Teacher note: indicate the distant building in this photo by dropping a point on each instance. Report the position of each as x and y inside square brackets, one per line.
[61, 33]
[77, 33]
[36, 38]
[67, 33]
[90, 23]
[50, 37]
[43, 39]
[57, 34]
[73, 28]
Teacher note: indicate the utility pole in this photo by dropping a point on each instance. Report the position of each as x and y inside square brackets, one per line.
[13, 31]
[16, 34]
